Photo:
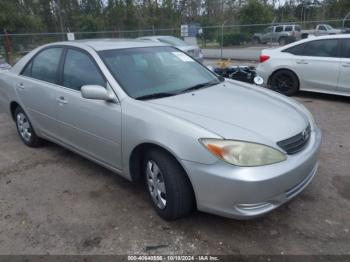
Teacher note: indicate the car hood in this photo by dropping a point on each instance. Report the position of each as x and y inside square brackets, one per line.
[234, 111]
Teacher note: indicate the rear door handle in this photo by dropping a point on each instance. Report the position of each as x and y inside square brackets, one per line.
[61, 100]
[20, 85]
[302, 62]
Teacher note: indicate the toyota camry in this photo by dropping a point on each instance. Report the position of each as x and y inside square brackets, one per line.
[149, 112]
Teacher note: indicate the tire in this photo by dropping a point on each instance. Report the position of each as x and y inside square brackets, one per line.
[169, 189]
[25, 129]
[284, 82]
[282, 41]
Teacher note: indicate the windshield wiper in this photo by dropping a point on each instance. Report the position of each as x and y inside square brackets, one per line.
[154, 96]
[199, 86]
[166, 94]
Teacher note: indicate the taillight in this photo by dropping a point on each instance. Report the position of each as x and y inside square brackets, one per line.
[264, 58]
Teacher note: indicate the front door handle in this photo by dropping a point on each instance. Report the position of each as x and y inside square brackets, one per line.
[61, 100]
[302, 62]
[20, 85]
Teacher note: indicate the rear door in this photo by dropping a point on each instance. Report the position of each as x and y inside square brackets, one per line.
[317, 64]
[344, 75]
[90, 126]
[37, 87]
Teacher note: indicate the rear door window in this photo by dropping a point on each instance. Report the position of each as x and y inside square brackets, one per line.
[45, 65]
[322, 48]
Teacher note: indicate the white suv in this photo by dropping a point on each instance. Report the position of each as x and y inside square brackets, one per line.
[317, 64]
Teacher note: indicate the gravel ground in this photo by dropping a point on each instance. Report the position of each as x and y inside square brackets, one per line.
[54, 201]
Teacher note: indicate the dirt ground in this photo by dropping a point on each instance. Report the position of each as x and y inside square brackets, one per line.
[53, 201]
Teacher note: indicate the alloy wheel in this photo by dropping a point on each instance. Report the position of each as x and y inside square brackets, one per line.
[156, 184]
[283, 83]
[24, 127]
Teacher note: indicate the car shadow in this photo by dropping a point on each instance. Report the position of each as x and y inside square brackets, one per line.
[321, 96]
[135, 192]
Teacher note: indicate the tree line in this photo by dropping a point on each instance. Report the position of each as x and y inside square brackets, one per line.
[27, 16]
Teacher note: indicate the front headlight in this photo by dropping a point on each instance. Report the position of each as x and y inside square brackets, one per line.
[242, 153]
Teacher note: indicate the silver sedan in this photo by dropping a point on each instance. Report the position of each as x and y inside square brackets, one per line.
[148, 111]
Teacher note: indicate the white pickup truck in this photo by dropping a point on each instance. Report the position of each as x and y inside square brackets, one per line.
[321, 29]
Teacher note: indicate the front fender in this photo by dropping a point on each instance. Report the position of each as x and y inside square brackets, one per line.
[142, 123]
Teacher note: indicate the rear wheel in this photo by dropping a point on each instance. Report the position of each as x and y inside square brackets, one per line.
[25, 129]
[168, 185]
[285, 82]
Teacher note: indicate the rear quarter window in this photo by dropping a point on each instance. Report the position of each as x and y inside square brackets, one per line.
[295, 50]
[45, 64]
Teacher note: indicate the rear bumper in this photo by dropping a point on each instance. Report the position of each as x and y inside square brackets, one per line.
[242, 193]
[263, 71]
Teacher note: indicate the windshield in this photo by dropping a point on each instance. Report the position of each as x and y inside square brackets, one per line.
[156, 70]
[172, 41]
[328, 27]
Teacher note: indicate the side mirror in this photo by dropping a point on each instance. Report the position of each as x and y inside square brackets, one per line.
[96, 92]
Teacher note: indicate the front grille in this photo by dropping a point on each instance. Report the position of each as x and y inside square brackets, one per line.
[295, 143]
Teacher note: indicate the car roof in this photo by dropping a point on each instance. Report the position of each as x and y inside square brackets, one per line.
[337, 36]
[286, 25]
[154, 36]
[108, 44]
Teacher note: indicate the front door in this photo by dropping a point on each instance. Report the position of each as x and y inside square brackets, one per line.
[90, 126]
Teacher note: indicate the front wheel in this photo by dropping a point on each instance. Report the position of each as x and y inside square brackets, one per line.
[168, 185]
[25, 129]
[285, 82]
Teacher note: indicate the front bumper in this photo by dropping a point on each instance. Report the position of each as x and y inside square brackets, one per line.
[247, 192]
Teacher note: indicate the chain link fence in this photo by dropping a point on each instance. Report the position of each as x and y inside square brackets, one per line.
[221, 41]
